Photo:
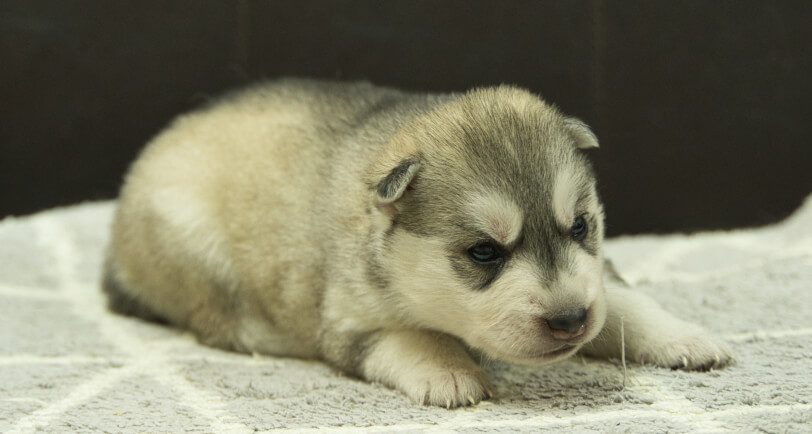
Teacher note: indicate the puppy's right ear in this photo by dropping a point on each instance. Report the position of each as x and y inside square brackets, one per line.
[392, 187]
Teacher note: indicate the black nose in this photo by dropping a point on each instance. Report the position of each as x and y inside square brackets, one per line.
[569, 322]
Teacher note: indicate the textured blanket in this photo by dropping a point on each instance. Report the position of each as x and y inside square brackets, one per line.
[68, 365]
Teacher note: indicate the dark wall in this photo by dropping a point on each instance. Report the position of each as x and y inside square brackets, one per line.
[702, 108]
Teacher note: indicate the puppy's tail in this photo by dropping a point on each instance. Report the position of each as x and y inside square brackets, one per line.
[121, 300]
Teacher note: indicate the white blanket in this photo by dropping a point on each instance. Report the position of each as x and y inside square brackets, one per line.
[68, 365]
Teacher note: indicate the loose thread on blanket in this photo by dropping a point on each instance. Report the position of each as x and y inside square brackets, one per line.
[623, 351]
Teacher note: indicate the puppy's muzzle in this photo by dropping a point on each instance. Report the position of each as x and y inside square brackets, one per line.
[567, 325]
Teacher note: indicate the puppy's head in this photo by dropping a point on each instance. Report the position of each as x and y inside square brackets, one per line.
[493, 225]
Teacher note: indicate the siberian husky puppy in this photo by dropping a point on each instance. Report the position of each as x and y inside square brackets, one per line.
[388, 233]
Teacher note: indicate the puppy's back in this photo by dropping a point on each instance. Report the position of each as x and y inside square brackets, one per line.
[222, 202]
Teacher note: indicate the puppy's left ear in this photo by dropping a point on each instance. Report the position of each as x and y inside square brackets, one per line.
[392, 187]
[584, 137]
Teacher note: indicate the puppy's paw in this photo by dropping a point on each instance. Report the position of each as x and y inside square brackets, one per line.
[429, 367]
[694, 352]
[449, 388]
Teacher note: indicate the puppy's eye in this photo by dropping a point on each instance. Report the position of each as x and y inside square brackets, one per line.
[579, 229]
[484, 253]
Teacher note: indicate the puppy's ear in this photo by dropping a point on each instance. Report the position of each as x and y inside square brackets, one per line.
[584, 137]
[395, 169]
[392, 187]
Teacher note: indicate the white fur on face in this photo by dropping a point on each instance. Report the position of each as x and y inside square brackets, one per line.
[431, 294]
[496, 215]
[516, 304]
[566, 206]
[506, 319]
[424, 283]
[584, 278]
[565, 194]
[503, 320]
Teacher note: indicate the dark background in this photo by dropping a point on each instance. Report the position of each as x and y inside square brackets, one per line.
[702, 107]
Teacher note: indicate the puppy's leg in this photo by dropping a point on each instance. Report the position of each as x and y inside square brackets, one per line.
[653, 335]
[431, 368]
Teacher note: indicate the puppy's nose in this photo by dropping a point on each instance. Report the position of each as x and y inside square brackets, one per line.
[567, 324]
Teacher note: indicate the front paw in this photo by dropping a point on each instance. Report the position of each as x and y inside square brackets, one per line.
[429, 367]
[448, 388]
[695, 352]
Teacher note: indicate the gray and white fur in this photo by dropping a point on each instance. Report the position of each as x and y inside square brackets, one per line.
[390, 234]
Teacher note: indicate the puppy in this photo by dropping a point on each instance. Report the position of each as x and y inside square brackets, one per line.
[388, 233]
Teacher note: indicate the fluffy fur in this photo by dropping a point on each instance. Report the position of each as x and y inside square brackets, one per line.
[348, 222]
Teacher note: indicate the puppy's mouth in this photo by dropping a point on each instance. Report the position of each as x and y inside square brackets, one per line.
[543, 357]
[564, 349]
[561, 352]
